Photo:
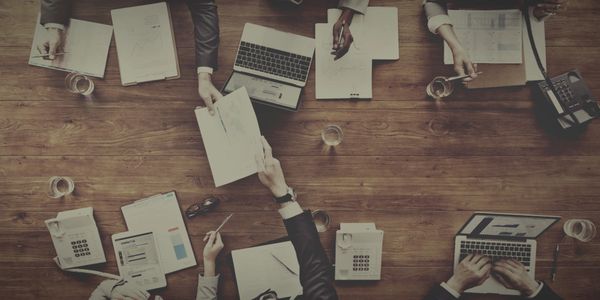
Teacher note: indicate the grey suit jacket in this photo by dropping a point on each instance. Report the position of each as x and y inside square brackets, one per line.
[204, 15]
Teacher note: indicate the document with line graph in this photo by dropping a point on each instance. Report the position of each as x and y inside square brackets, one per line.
[345, 78]
[145, 43]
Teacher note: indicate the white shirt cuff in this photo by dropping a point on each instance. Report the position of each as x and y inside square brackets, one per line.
[291, 210]
[54, 25]
[435, 22]
[450, 290]
[539, 289]
[208, 70]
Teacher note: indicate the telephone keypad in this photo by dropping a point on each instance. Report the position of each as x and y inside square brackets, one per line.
[361, 263]
[80, 248]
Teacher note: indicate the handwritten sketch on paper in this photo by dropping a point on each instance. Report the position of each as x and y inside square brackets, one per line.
[145, 43]
[231, 137]
[347, 77]
[490, 36]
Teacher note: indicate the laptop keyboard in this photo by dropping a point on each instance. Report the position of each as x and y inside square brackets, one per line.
[497, 250]
[273, 61]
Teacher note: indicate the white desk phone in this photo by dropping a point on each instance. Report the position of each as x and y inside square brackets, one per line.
[76, 239]
[358, 252]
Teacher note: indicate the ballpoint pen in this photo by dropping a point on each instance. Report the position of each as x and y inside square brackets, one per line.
[223, 223]
[283, 264]
[461, 77]
[341, 33]
[555, 261]
[48, 54]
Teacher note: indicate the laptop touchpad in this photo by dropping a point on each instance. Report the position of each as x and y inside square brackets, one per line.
[265, 90]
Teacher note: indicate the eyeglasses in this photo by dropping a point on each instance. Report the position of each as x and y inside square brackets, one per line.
[200, 208]
[267, 295]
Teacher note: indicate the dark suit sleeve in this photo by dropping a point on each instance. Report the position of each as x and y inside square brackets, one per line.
[206, 31]
[55, 11]
[547, 294]
[439, 293]
[316, 275]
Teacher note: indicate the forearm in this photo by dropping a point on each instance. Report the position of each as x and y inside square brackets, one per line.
[447, 33]
[102, 292]
[359, 6]
[316, 275]
[206, 32]
[55, 11]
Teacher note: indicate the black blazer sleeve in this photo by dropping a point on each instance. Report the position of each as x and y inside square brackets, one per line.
[316, 275]
[547, 294]
[439, 293]
[55, 11]
[206, 31]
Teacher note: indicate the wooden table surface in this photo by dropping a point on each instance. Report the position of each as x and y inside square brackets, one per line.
[487, 152]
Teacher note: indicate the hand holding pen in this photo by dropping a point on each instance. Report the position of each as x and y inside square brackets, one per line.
[342, 37]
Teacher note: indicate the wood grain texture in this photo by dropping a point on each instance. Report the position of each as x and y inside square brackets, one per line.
[416, 168]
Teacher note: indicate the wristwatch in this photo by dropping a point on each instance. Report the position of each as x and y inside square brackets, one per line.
[289, 196]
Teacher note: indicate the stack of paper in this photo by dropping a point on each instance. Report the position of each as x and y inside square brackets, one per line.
[85, 46]
[375, 38]
[499, 38]
[145, 43]
[161, 215]
[272, 266]
[231, 137]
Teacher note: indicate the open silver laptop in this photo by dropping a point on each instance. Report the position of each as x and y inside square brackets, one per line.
[272, 65]
[501, 236]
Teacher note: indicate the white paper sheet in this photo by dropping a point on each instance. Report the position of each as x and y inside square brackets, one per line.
[161, 214]
[231, 137]
[490, 36]
[347, 77]
[145, 43]
[375, 32]
[256, 270]
[86, 44]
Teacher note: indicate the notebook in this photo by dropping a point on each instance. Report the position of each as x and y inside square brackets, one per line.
[375, 32]
[145, 43]
[161, 214]
[86, 44]
[349, 77]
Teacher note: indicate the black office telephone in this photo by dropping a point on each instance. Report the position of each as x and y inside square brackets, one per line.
[571, 100]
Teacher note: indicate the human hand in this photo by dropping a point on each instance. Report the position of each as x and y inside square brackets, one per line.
[128, 291]
[52, 42]
[271, 175]
[513, 275]
[471, 271]
[546, 8]
[208, 92]
[213, 246]
[341, 46]
[463, 64]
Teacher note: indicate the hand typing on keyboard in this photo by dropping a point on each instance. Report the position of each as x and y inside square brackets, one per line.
[513, 275]
[207, 91]
[471, 271]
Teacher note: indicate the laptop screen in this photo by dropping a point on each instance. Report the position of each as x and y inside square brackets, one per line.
[507, 225]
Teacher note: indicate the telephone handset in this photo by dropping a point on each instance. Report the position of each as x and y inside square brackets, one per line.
[76, 238]
[358, 252]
